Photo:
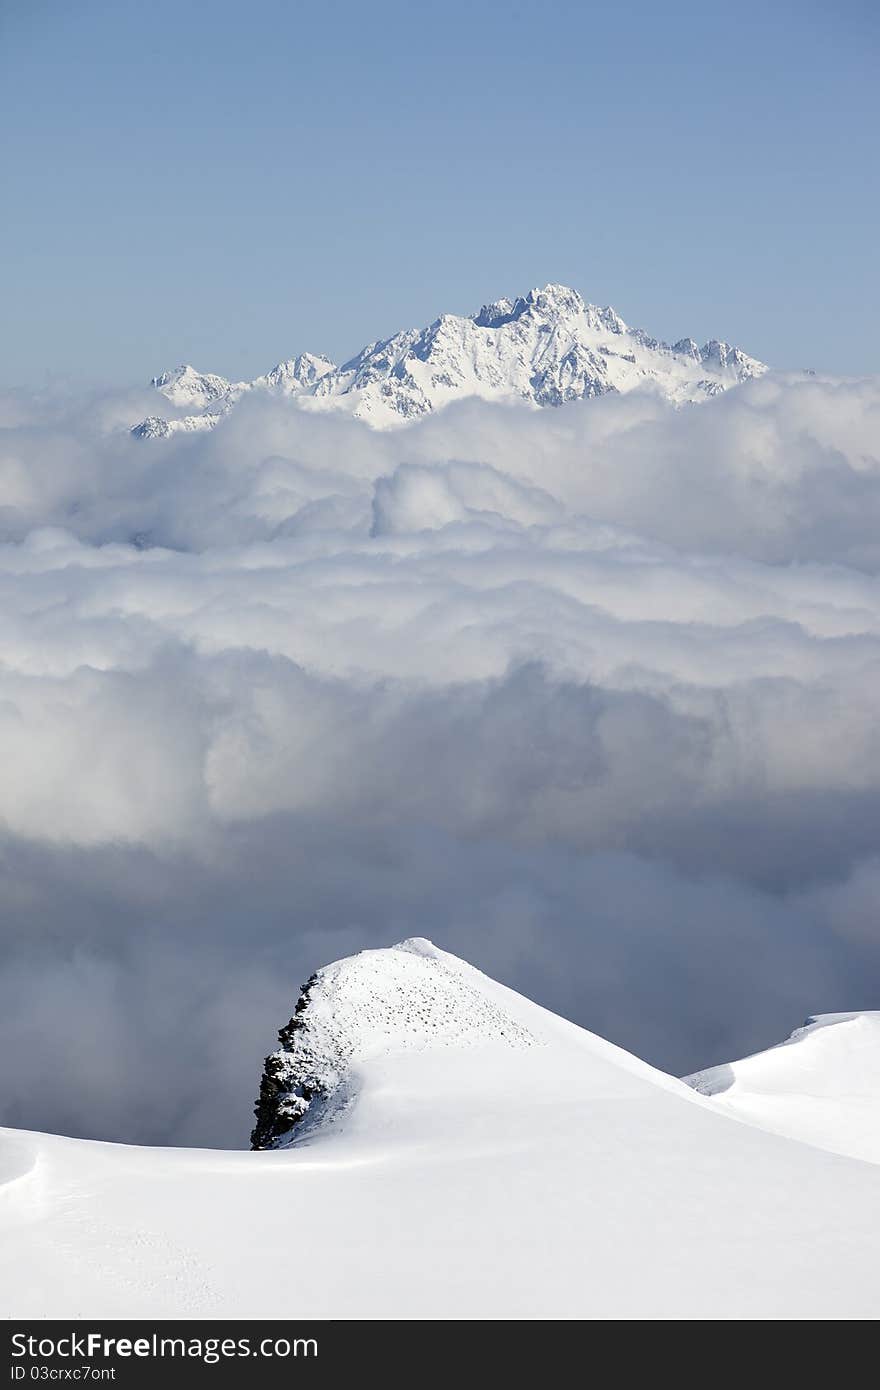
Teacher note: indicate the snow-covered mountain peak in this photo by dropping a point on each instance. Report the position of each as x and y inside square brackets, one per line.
[687, 348]
[544, 348]
[469, 1155]
[157, 427]
[403, 998]
[725, 358]
[184, 386]
[499, 312]
[553, 304]
[296, 373]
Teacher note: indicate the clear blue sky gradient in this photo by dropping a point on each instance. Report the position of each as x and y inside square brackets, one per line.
[230, 185]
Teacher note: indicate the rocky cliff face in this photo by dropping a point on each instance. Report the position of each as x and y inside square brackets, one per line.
[288, 1084]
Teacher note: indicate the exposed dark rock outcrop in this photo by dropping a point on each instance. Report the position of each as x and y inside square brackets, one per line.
[286, 1088]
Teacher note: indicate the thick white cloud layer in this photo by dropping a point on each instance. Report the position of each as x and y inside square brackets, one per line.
[587, 695]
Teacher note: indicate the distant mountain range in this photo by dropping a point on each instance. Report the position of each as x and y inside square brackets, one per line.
[546, 348]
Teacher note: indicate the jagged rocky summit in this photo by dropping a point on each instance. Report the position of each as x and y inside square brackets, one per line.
[544, 349]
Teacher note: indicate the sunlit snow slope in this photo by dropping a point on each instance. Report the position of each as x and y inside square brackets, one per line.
[821, 1085]
[482, 1157]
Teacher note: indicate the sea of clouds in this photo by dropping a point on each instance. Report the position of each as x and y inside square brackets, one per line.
[588, 696]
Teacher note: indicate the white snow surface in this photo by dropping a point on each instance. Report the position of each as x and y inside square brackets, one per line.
[409, 996]
[544, 348]
[821, 1085]
[495, 1161]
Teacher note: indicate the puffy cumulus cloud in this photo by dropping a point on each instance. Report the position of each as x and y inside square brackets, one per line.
[780, 470]
[589, 696]
[418, 497]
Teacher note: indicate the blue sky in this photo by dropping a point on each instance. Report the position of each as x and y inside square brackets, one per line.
[207, 183]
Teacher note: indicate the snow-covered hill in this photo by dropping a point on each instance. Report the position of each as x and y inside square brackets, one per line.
[482, 1157]
[410, 997]
[545, 348]
[821, 1085]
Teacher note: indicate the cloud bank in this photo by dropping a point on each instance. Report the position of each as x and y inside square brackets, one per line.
[586, 695]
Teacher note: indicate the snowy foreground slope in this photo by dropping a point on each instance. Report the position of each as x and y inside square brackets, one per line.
[544, 348]
[470, 1155]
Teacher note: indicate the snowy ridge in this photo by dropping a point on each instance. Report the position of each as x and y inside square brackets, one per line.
[821, 1085]
[157, 427]
[409, 997]
[496, 1161]
[545, 348]
[184, 386]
